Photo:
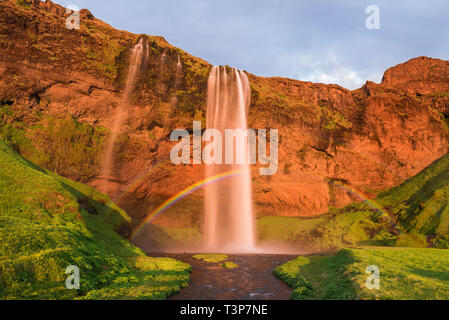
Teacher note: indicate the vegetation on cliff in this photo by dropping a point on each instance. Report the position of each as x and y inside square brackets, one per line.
[48, 223]
[47, 140]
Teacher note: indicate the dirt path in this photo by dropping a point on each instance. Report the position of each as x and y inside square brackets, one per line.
[252, 280]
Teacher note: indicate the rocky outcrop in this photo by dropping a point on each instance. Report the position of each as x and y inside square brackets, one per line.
[336, 146]
[421, 75]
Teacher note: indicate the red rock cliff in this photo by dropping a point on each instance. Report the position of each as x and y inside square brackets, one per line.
[59, 89]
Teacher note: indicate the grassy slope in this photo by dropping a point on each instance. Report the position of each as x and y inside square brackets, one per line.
[286, 229]
[414, 214]
[405, 273]
[45, 226]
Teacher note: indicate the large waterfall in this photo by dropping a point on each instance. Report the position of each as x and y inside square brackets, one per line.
[138, 56]
[229, 220]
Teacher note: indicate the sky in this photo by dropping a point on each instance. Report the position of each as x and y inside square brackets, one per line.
[323, 41]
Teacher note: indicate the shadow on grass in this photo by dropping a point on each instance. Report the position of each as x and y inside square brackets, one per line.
[438, 275]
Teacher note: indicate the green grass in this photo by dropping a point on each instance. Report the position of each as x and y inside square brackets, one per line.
[420, 203]
[48, 223]
[211, 257]
[411, 241]
[183, 235]
[229, 265]
[162, 237]
[354, 224]
[217, 258]
[284, 229]
[405, 273]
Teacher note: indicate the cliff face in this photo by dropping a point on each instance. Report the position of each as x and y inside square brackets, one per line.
[59, 89]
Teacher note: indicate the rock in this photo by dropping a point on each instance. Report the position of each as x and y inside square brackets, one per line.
[254, 294]
[336, 146]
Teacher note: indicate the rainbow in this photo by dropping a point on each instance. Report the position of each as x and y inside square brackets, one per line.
[191, 189]
[182, 194]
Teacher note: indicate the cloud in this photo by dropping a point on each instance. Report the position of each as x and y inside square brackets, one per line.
[324, 68]
[321, 41]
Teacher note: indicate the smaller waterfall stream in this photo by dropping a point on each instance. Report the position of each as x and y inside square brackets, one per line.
[178, 77]
[139, 54]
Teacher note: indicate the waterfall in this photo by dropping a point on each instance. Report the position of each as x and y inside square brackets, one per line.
[163, 62]
[179, 67]
[164, 56]
[178, 77]
[229, 220]
[138, 56]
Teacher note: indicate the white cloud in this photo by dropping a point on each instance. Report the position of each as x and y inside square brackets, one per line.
[324, 68]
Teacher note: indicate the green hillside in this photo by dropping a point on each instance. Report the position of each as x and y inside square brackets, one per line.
[414, 214]
[405, 273]
[48, 223]
[420, 205]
